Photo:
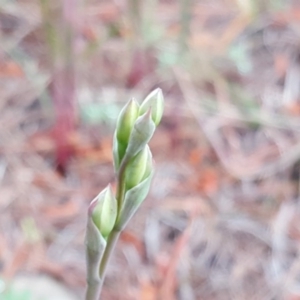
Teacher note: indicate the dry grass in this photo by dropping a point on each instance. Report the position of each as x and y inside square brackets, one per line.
[222, 218]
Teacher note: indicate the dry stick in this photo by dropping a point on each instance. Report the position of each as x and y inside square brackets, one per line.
[186, 12]
[287, 159]
[168, 285]
[135, 14]
[59, 20]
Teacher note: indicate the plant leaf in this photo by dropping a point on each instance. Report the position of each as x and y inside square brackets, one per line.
[133, 199]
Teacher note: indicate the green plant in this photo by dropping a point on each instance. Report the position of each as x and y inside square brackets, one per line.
[108, 214]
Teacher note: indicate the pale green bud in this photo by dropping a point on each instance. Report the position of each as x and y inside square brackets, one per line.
[135, 170]
[127, 117]
[155, 101]
[121, 150]
[133, 199]
[149, 164]
[141, 134]
[103, 210]
[115, 151]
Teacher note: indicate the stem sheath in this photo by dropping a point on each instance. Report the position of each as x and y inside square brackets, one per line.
[111, 243]
[114, 235]
[93, 290]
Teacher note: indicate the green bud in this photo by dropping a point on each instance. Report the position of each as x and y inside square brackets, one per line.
[155, 101]
[135, 170]
[126, 120]
[149, 164]
[121, 151]
[141, 134]
[103, 210]
[115, 152]
[133, 199]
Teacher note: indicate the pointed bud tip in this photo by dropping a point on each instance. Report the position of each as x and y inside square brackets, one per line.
[158, 91]
[148, 113]
[154, 100]
[146, 117]
[109, 188]
[132, 102]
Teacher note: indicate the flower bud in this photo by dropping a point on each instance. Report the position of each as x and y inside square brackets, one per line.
[155, 101]
[126, 120]
[149, 164]
[133, 199]
[141, 134]
[115, 152]
[103, 210]
[135, 170]
[121, 151]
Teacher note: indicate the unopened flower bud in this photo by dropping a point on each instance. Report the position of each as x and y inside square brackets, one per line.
[121, 151]
[126, 120]
[133, 199]
[141, 134]
[103, 210]
[149, 164]
[155, 101]
[135, 170]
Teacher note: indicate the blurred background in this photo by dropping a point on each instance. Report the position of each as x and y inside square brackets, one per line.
[222, 219]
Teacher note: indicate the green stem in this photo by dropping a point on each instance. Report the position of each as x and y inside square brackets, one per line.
[93, 290]
[111, 243]
[114, 235]
[95, 246]
[121, 186]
